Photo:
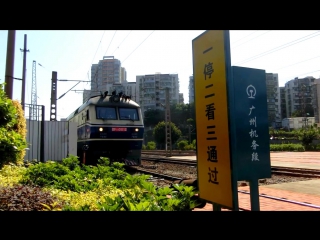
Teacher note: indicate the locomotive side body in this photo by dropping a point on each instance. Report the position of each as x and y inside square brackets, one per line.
[109, 126]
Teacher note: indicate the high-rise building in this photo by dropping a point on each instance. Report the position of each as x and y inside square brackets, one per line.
[273, 98]
[151, 90]
[191, 89]
[106, 72]
[283, 108]
[298, 97]
[315, 93]
[181, 98]
[123, 75]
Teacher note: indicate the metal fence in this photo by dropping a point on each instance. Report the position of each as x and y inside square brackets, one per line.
[48, 140]
[34, 115]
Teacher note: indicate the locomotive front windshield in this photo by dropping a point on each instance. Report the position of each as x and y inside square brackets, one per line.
[106, 113]
[128, 114]
[110, 113]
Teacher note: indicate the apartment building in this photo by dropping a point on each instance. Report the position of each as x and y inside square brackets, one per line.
[191, 89]
[103, 74]
[181, 98]
[298, 97]
[315, 94]
[107, 71]
[283, 108]
[151, 90]
[123, 75]
[273, 98]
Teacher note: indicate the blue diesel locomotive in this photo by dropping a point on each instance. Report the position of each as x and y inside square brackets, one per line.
[109, 126]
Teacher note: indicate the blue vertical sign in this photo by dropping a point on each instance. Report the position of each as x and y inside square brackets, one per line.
[251, 147]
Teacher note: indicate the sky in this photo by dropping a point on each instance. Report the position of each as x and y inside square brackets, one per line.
[290, 54]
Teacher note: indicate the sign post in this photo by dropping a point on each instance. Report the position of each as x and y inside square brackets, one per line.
[250, 119]
[211, 70]
[232, 123]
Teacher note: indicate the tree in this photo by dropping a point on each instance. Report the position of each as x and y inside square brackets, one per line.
[152, 117]
[296, 113]
[159, 133]
[307, 135]
[182, 115]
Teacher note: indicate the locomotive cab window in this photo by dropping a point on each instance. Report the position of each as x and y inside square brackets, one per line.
[106, 113]
[128, 114]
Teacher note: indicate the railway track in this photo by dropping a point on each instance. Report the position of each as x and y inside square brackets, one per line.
[193, 182]
[153, 174]
[173, 152]
[174, 161]
[294, 172]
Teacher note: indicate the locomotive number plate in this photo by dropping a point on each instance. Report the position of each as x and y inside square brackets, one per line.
[119, 129]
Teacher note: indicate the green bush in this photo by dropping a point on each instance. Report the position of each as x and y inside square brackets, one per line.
[76, 187]
[194, 144]
[287, 147]
[12, 145]
[314, 147]
[189, 147]
[144, 196]
[151, 145]
[44, 174]
[8, 113]
[281, 134]
[182, 144]
[12, 130]
[159, 133]
[11, 174]
[144, 147]
[306, 136]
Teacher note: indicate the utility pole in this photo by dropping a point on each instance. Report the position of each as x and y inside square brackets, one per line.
[23, 91]
[8, 88]
[53, 106]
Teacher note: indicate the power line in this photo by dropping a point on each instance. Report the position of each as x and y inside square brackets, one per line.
[251, 39]
[121, 42]
[96, 52]
[244, 37]
[103, 55]
[297, 63]
[110, 42]
[278, 48]
[138, 46]
[98, 47]
[297, 75]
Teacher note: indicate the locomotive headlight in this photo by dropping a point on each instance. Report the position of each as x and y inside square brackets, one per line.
[100, 129]
[137, 129]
